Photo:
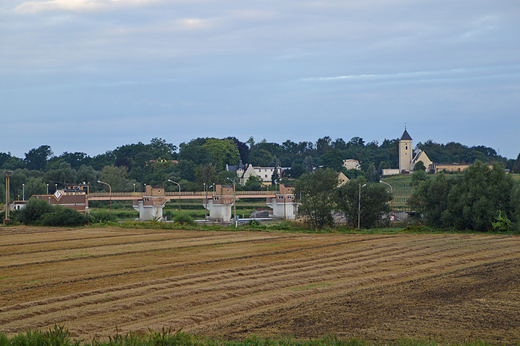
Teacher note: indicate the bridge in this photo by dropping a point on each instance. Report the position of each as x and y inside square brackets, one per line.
[150, 203]
[125, 196]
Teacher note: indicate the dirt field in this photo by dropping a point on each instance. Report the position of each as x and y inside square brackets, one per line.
[234, 284]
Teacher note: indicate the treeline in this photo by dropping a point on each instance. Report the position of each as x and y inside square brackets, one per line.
[204, 160]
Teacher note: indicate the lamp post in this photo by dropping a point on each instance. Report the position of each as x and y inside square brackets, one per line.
[110, 189]
[23, 192]
[171, 181]
[359, 206]
[234, 202]
[55, 187]
[134, 187]
[47, 188]
[392, 200]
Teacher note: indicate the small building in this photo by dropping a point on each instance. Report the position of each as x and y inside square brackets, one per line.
[342, 179]
[71, 196]
[351, 164]
[244, 172]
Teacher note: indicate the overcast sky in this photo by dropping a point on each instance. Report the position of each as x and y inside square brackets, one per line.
[91, 75]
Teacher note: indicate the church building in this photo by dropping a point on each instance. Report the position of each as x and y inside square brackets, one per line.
[408, 157]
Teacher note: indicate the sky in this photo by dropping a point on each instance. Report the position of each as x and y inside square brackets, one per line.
[92, 75]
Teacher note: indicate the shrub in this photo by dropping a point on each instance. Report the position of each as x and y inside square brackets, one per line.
[184, 219]
[33, 210]
[102, 216]
[63, 217]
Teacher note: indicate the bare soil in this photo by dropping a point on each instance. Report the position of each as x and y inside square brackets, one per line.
[94, 281]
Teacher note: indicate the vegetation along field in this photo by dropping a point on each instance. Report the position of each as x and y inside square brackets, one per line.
[384, 287]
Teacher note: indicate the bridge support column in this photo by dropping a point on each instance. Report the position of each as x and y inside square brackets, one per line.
[219, 211]
[286, 210]
[150, 209]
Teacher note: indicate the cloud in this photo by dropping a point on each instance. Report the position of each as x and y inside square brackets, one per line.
[75, 5]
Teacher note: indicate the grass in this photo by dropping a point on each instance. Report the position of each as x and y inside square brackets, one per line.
[60, 336]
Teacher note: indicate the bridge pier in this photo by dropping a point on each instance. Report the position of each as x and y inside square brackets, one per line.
[283, 204]
[150, 206]
[219, 205]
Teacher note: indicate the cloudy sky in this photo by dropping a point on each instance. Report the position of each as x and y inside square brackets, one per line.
[91, 75]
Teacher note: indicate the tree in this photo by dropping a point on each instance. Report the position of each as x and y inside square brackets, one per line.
[37, 158]
[372, 201]
[419, 166]
[206, 173]
[35, 186]
[275, 177]
[87, 174]
[333, 159]
[254, 183]
[316, 191]
[430, 199]
[479, 196]
[115, 177]
[63, 175]
[472, 200]
[371, 174]
[308, 164]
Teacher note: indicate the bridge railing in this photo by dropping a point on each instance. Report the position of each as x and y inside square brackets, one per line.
[116, 194]
[186, 193]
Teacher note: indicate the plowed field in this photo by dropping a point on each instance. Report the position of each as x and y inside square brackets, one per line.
[233, 284]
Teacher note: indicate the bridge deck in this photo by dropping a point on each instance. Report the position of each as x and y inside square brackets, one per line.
[121, 196]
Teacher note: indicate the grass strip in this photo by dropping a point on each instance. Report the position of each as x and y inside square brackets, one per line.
[60, 336]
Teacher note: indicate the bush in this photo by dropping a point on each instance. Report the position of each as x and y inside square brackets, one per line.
[34, 210]
[63, 217]
[184, 219]
[102, 216]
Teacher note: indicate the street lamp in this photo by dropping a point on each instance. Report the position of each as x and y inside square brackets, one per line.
[110, 189]
[47, 188]
[234, 202]
[206, 188]
[171, 181]
[392, 200]
[359, 206]
[55, 187]
[23, 192]
[134, 187]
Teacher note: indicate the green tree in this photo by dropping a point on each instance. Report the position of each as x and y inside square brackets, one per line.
[316, 191]
[87, 174]
[370, 199]
[222, 152]
[35, 186]
[206, 173]
[37, 158]
[478, 196]
[419, 166]
[63, 175]
[371, 174]
[115, 176]
[430, 200]
[254, 183]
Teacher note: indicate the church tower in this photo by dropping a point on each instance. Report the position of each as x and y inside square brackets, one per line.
[405, 152]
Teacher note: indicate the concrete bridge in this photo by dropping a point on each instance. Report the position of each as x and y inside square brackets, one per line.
[150, 203]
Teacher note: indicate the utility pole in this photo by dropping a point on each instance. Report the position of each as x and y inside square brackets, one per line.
[7, 193]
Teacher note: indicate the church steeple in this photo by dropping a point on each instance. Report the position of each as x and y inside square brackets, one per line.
[405, 152]
[406, 136]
